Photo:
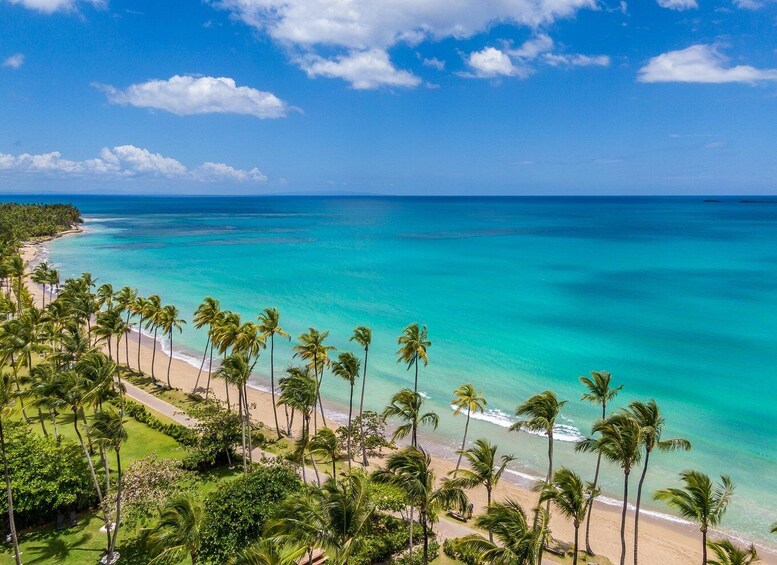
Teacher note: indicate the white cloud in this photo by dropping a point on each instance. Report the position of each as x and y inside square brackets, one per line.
[700, 64]
[577, 60]
[491, 63]
[678, 5]
[752, 4]
[51, 6]
[186, 95]
[126, 161]
[363, 69]
[14, 61]
[532, 48]
[435, 63]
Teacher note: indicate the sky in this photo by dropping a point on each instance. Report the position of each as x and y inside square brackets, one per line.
[475, 97]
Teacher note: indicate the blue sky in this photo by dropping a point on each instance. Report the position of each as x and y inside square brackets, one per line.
[389, 96]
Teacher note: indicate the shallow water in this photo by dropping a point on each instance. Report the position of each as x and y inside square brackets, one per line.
[675, 296]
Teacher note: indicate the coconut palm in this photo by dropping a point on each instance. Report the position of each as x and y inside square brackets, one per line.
[700, 501]
[347, 368]
[269, 552]
[205, 315]
[125, 298]
[152, 309]
[6, 404]
[169, 320]
[411, 470]
[108, 432]
[225, 329]
[40, 275]
[269, 325]
[406, 407]
[298, 392]
[105, 296]
[726, 553]
[107, 325]
[363, 336]
[235, 370]
[518, 541]
[326, 444]
[139, 308]
[569, 495]
[16, 266]
[542, 410]
[300, 518]
[467, 398]
[311, 348]
[619, 441]
[652, 421]
[413, 346]
[600, 392]
[177, 532]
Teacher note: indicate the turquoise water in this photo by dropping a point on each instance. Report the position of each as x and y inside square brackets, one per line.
[676, 297]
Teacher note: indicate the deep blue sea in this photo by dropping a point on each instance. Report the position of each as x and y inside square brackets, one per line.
[676, 297]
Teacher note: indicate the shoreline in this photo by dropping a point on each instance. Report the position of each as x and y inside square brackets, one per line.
[663, 540]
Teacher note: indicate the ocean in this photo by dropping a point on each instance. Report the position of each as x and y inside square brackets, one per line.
[676, 297]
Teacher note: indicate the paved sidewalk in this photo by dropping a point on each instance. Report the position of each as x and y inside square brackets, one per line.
[161, 406]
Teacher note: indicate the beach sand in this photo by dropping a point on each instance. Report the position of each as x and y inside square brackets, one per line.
[662, 542]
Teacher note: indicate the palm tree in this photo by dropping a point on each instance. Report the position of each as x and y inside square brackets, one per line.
[205, 315]
[108, 432]
[125, 298]
[269, 552]
[40, 275]
[347, 368]
[326, 443]
[466, 397]
[413, 346]
[16, 270]
[105, 296]
[312, 349]
[169, 320]
[363, 336]
[6, 403]
[235, 370]
[269, 325]
[411, 470]
[519, 543]
[225, 328]
[107, 325]
[139, 308]
[178, 531]
[619, 441]
[600, 391]
[151, 312]
[542, 410]
[649, 417]
[568, 493]
[700, 501]
[298, 392]
[406, 406]
[727, 553]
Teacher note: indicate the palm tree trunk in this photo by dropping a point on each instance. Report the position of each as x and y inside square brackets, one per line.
[204, 356]
[623, 516]
[636, 512]
[704, 546]
[315, 413]
[425, 528]
[210, 370]
[9, 497]
[110, 351]
[54, 423]
[118, 502]
[305, 424]
[464, 440]
[365, 462]
[248, 426]
[350, 413]
[550, 457]
[140, 335]
[170, 360]
[126, 340]
[415, 384]
[318, 393]
[411, 533]
[242, 426]
[272, 385]
[153, 354]
[42, 423]
[577, 532]
[588, 549]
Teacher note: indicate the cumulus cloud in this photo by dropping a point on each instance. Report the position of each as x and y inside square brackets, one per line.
[577, 60]
[435, 63]
[51, 6]
[186, 95]
[532, 48]
[363, 69]
[678, 5]
[700, 64]
[491, 63]
[14, 61]
[125, 161]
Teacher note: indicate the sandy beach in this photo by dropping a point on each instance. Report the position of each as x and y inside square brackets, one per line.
[661, 541]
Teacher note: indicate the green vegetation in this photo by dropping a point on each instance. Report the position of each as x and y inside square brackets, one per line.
[25, 222]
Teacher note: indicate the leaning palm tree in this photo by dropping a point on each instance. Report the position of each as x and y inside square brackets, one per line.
[518, 541]
[569, 495]
[139, 308]
[406, 407]
[726, 553]
[269, 326]
[151, 312]
[619, 441]
[347, 368]
[40, 275]
[363, 336]
[311, 348]
[169, 321]
[6, 403]
[177, 532]
[205, 314]
[108, 432]
[542, 410]
[268, 552]
[600, 391]
[649, 417]
[467, 398]
[485, 469]
[124, 300]
[700, 501]
[326, 444]
[413, 346]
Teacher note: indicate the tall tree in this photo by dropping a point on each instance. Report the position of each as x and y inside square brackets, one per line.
[567, 492]
[125, 298]
[542, 410]
[467, 398]
[235, 370]
[206, 314]
[326, 443]
[269, 325]
[652, 421]
[413, 346]
[152, 310]
[406, 407]
[347, 368]
[700, 500]
[363, 336]
[600, 392]
[140, 308]
[298, 392]
[311, 348]
[6, 403]
[619, 441]
[169, 320]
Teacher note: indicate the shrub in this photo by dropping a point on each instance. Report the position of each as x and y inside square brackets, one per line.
[389, 535]
[179, 433]
[451, 549]
[374, 434]
[217, 433]
[418, 555]
[235, 514]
